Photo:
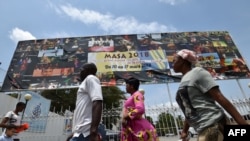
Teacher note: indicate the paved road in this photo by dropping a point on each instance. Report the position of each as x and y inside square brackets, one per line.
[175, 138]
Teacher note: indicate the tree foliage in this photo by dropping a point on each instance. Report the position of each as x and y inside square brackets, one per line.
[112, 97]
[150, 119]
[112, 100]
[166, 124]
[62, 99]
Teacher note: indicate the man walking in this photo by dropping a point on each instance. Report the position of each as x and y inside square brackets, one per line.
[88, 111]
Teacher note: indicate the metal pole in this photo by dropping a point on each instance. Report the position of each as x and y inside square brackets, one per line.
[169, 94]
[26, 101]
[172, 109]
[242, 91]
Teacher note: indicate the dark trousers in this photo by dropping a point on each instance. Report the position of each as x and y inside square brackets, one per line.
[101, 130]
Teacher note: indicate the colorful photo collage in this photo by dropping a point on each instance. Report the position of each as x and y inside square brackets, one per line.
[55, 63]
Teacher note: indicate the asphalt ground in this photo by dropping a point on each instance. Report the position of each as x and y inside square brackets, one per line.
[175, 138]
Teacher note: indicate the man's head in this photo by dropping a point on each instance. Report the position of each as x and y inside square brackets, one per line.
[132, 85]
[184, 58]
[87, 69]
[20, 106]
[10, 131]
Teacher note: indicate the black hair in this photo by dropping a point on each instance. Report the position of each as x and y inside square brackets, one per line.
[11, 126]
[133, 82]
[19, 104]
[189, 64]
[90, 67]
[87, 69]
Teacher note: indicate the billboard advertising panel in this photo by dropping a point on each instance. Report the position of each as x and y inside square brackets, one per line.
[55, 63]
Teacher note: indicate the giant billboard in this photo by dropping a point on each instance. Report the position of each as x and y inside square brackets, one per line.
[54, 63]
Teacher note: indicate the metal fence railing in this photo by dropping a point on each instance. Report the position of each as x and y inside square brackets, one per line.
[167, 121]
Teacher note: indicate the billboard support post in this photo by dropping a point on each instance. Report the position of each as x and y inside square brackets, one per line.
[242, 91]
[172, 109]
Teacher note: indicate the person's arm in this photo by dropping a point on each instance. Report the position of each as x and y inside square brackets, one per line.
[124, 113]
[227, 105]
[124, 117]
[184, 132]
[139, 108]
[69, 137]
[3, 122]
[96, 118]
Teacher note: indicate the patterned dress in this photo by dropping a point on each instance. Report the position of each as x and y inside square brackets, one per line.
[137, 127]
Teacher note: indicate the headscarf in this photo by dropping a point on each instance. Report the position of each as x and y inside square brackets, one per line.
[188, 55]
[142, 91]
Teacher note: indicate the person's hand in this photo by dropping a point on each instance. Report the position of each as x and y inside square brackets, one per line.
[94, 136]
[184, 136]
[69, 137]
[13, 126]
[124, 122]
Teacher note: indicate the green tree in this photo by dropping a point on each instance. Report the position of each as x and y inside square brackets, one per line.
[150, 119]
[165, 124]
[180, 121]
[112, 100]
[62, 99]
[112, 97]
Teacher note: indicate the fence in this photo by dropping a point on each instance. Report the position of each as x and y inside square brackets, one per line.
[167, 120]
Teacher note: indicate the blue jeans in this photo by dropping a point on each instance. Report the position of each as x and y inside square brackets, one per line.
[101, 130]
[80, 138]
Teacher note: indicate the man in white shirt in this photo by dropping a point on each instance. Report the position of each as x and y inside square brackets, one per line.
[88, 111]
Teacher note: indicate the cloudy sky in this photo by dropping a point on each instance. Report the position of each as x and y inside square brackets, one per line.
[38, 19]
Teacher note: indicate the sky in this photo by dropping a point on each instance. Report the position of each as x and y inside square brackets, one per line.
[41, 19]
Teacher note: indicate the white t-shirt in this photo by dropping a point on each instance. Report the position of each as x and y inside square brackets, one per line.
[89, 91]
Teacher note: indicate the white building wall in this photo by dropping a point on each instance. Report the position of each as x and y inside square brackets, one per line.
[7, 103]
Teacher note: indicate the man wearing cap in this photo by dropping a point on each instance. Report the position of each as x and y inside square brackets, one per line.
[197, 96]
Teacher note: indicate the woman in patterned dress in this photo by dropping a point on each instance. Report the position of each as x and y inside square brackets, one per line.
[134, 126]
